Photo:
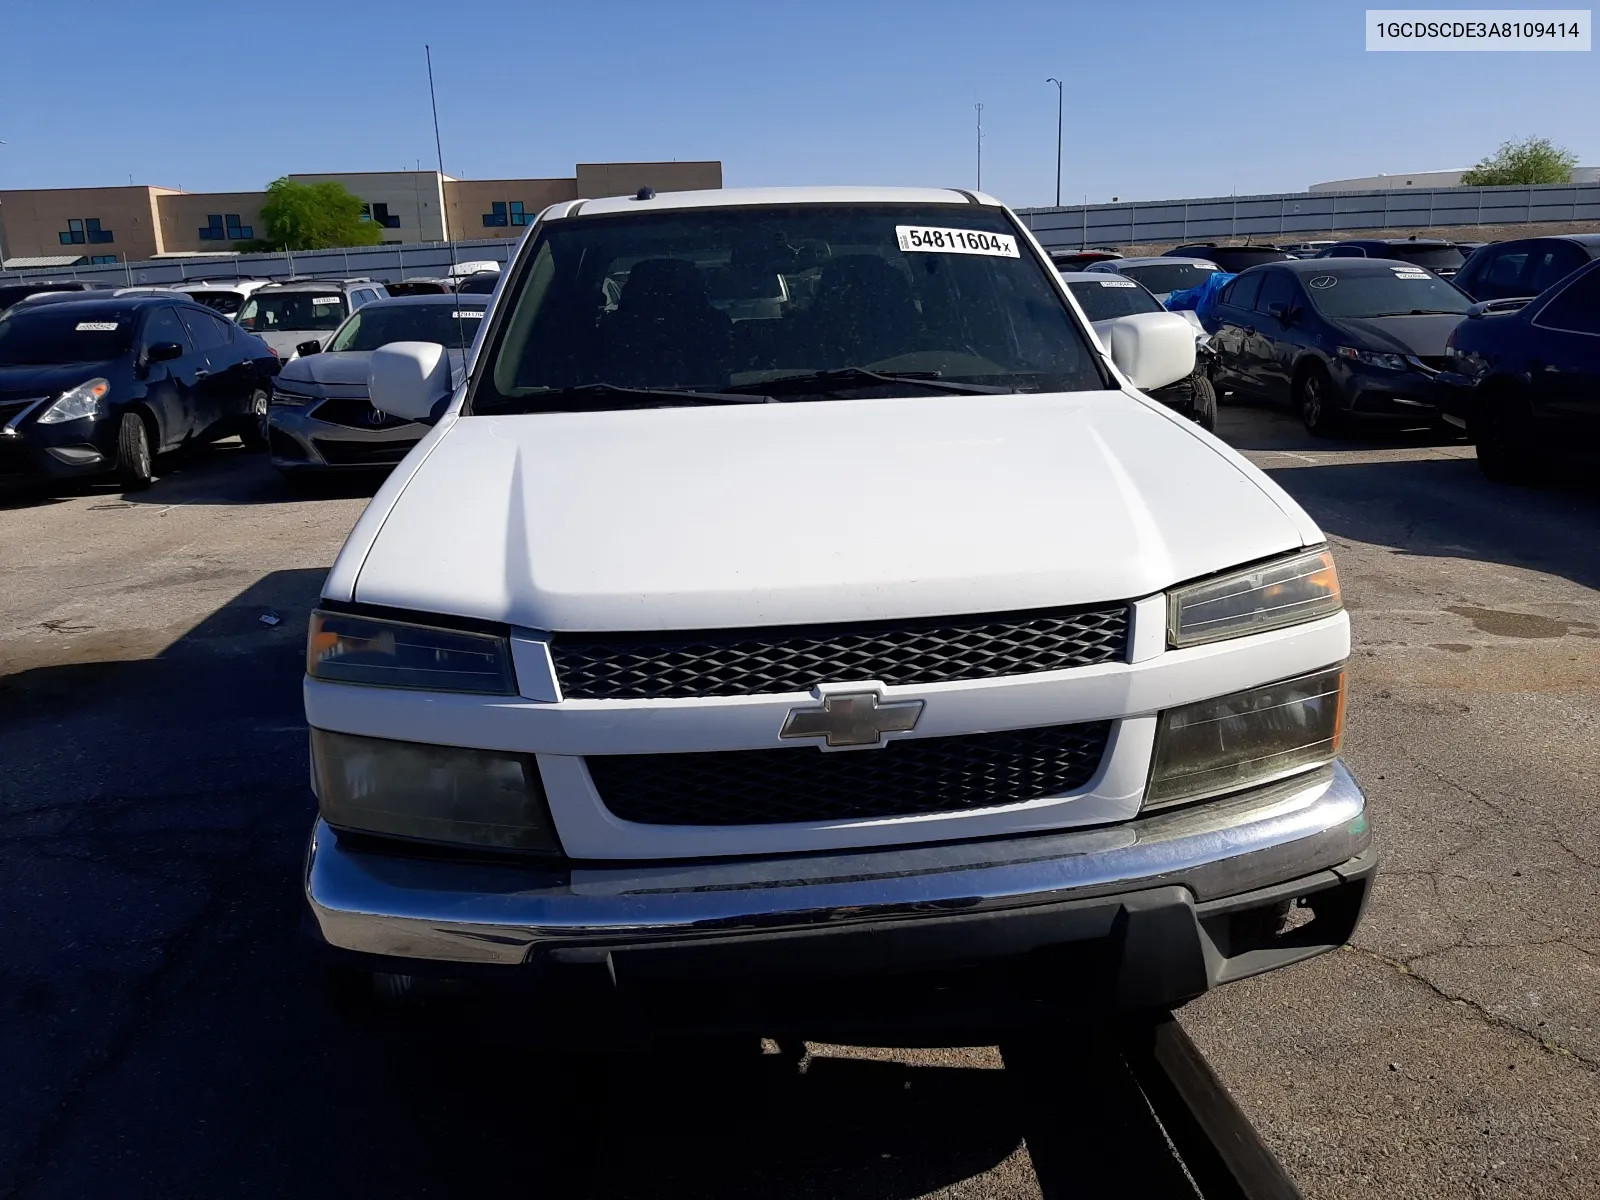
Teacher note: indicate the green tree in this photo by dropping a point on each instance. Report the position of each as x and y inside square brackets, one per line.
[1532, 160]
[313, 216]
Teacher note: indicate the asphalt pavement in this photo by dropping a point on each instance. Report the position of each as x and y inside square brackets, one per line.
[162, 1033]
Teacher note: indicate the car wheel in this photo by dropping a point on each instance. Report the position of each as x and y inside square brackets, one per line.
[1203, 407]
[1318, 404]
[254, 433]
[1502, 427]
[134, 470]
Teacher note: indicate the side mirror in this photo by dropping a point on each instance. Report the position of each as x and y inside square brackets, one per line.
[1151, 349]
[409, 379]
[311, 347]
[1279, 310]
[163, 352]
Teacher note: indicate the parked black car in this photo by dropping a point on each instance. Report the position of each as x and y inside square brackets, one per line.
[1443, 258]
[98, 386]
[1524, 380]
[1525, 266]
[479, 283]
[1336, 338]
[10, 293]
[1232, 259]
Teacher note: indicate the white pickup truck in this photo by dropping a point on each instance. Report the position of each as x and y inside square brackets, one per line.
[882, 631]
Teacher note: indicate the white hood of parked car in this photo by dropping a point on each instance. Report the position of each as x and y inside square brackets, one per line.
[811, 512]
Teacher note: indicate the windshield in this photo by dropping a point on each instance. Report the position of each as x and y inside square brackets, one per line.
[48, 334]
[1106, 299]
[1439, 258]
[449, 324]
[294, 311]
[1163, 278]
[1401, 291]
[226, 303]
[717, 298]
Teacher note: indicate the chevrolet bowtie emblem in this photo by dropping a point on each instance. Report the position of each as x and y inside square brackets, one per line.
[852, 719]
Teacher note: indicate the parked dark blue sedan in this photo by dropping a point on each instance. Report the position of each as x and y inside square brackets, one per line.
[1524, 379]
[1337, 338]
[100, 386]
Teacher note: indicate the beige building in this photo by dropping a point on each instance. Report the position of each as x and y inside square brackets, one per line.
[133, 224]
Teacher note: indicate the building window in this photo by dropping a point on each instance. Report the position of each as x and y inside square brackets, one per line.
[503, 212]
[81, 230]
[101, 260]
[225, 227]
[382, 215]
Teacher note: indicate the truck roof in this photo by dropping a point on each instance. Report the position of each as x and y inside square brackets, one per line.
[745, 197]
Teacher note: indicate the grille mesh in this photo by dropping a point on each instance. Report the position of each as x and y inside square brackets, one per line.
[921, 775]
[743, 662]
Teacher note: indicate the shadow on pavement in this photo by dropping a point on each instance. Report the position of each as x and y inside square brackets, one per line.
[164, 1032]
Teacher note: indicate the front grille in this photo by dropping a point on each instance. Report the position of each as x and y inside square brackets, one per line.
[923, 775]
[354, 413]
[742, 662]
[10, 408]
[363, 454]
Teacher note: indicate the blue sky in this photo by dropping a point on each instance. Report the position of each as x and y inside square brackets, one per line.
[1162, 99]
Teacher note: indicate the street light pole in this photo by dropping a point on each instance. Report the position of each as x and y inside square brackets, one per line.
[1057, 82]
[979, 107]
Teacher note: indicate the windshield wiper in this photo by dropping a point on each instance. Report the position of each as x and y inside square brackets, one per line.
[598, 391]
[1424, 312]
[823, 381]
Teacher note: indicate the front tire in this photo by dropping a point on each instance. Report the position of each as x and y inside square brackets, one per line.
[134, 468]
[1203, 407]
[254, 432]
[1502, 427]
[1317, 403]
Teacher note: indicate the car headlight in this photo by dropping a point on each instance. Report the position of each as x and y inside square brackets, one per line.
[290, 399]
[1376, 358]
[82, 401]
[1247, 739]
[1286, 591]
[444, 794]
[1465, 362]
[346, 648]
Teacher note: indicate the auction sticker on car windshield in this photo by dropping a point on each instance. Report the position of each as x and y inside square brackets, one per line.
[1118, 283]
[925, 239]
[95, 327]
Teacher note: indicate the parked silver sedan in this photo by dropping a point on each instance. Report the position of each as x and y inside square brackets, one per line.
[320, 418]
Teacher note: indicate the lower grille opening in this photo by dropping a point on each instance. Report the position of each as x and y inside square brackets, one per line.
[904, 778]
[364, 454]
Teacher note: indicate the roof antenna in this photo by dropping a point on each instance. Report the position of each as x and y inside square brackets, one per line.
[645, 193]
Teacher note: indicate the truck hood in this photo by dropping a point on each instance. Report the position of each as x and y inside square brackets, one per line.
[801, 513]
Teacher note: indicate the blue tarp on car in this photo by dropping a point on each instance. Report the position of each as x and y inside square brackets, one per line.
[1202, 298]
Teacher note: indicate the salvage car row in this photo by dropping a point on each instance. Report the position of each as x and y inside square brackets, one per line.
[1504, 344]
[99, 381]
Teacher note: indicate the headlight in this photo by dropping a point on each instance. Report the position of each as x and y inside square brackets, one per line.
[82, 401]
[1285, 592]
[1246, 739]
[431, 793]
[345, 648]
[290, 399]
[1376, 358]
[1465, 362]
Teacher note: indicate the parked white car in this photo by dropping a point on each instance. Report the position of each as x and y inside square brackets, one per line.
[226, 296]
[889, 630]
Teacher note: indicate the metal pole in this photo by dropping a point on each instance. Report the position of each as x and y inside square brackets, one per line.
[1057, 82]
[979, 107]
[444, 214]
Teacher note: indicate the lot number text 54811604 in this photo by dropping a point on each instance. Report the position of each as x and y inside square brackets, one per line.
[955, 241]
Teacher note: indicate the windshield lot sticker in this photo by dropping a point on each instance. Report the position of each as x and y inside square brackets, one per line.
[1323, 281]
[1118, 283]
[1410, 272]
[471, 314]
[921, 239]
[96, 326]
[325, 300]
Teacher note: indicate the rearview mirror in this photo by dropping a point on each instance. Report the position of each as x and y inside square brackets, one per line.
[409, 379]
[1151, 349]
[163, 352]
[311, 347]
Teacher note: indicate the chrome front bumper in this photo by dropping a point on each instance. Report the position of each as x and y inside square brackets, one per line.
[1194, 869]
